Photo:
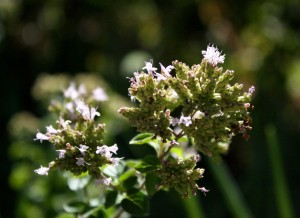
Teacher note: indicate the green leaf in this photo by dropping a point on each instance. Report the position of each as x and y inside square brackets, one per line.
[177, 151]
[136, 204]
[77, 183]
[148, 164]
[152, 180]
[130, 182]
[75, 206]
[111, 197]
[66, 215]
[141, 138]
[126, 175]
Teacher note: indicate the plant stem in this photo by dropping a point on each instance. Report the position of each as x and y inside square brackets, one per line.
[232, 194]
[280, 186]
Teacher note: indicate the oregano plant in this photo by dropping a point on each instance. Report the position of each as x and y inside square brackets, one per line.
[181, 111]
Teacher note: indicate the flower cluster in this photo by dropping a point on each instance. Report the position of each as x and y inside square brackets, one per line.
[79, 144]
[77, 100]
[181, 175]
[196, 101]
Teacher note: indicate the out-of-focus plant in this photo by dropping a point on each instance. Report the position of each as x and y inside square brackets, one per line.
[179, 112]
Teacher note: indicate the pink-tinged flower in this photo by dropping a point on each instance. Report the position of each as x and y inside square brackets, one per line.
[174, 121]
[103, 181]
[94, 113]
[99, 94]
[86, 112]
[251, 90]
[80, 161]
[64, 123]
[115, 161]
[72, 93]
[83, 148]
[213, 56]
[42, 171]
[51, 130]
[166, 71]
[160, 77]
[107, 151]
[185, 120]
[61, 153]
[41, 137]
[149, 67]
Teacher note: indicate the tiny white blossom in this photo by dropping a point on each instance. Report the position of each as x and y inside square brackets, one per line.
[64, 123]
[72, 93]
[83, 148]
[81, 90]
[99, 94]
[107, 151]
[41, 137]
[213, 56]
[160, 77]
[80, 161]
[51, 130]
[86, 112]
[70, 107]
[149, 67]
[42, 170]
[185, 120]
[94, 113]
[251, 89]
[174, 121]
[166, 70]
[61, 153]
[103, 181]
[115, 161]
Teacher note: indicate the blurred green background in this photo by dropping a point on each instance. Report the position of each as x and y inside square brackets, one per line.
[110, 40]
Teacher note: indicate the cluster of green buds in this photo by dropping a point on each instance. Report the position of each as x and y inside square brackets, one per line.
[77, 137]
[181, 175]
[196, 101]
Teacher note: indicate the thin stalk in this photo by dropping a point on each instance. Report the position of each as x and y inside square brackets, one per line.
[283, 200]
[231, 193]
[193, 207]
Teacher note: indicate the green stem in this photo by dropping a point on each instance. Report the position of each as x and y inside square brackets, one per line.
[280, 186]
[231, 193]
[193, 207]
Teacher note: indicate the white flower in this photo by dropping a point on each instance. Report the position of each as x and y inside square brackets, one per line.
[213, 56]
[83, 148]
[115, 161]
[41, 137]
[80, 161]
[86, 112]
[103, 181]
[61, 153]
[70, 107]
[166, 70]
[72, 93]
[160, 77]
[149, 67]
[99, 94]
[251, 90]
[94, 113]
[107, 151]
[185, 120]
[42, 171]
[174, 121]
[51, 130]
[64, 123]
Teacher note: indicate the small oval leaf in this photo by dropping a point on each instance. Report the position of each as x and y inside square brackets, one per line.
[141, 138]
